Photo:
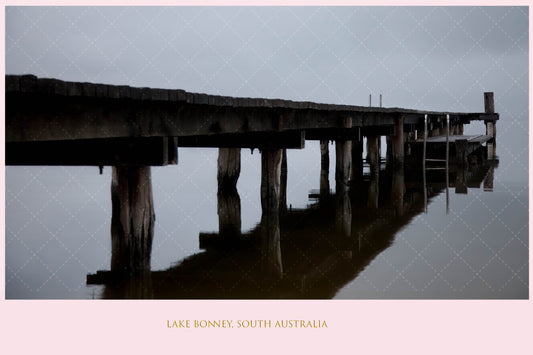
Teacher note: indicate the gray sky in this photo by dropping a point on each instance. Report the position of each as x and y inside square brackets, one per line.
[438, 58]
[434, 57]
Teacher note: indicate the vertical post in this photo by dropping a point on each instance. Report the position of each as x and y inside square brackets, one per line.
[270, 193]
[372, 154]
[283, 183]
[389, 153]
[490, 125]
[424, 163]
[447, 163]
[229, 167]
[489, 102]
[357, 157]
[398, 144]
[343, 150]
[324, 167]
[370, 100]
[132, 220]
[229, 211]
[270, 180]
[461, 146]
[459, 129]
[380, 102]
[228, 200]
[372, 157]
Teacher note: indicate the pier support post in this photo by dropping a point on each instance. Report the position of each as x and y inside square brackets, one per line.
[397, 141]
[283, 183]
[270, 180]
[389, 155]
[461, 146]
[490, 125]
[228, 200]
[372, 154]
[229, 167]
[343, 150]
[132, 221]
[324, 167]
[373, 159]
[270, 200]
[357, 158]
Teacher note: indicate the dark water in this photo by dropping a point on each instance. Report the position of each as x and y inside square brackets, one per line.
[361, 244]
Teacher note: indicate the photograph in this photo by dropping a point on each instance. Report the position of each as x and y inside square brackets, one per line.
[340, 155]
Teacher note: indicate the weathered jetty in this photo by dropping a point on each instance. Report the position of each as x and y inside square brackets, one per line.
[54, 122]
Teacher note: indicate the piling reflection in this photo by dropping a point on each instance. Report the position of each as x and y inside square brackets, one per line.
[296, 253]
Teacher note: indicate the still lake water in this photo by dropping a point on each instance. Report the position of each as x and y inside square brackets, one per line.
[58, 222]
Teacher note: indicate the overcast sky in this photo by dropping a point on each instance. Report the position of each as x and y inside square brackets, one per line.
[432, 57]
[437, 58]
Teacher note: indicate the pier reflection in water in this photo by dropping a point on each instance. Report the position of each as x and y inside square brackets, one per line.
[309, 252]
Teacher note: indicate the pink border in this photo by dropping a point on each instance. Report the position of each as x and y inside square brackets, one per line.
[414, 327]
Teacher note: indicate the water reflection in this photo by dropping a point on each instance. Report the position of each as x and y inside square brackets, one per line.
[296, 253]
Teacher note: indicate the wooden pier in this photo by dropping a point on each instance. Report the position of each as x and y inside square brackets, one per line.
[53, 122]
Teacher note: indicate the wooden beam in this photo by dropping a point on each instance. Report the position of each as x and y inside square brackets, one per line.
[270, 140]
[155, 151]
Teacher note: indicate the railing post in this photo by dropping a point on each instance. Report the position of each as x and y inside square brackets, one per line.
[490, 125]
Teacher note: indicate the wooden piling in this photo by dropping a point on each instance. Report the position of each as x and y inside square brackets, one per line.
[324, 167]
[490, 126]
[343, 150]
[229, 167]
[283, 183]
[343, 154]
[270, 201]
[357, 159]
[489, 102]
[373, 159]
[372, 154]
[132, 221]
[461, 146]
[397, 141]
[270, 180]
